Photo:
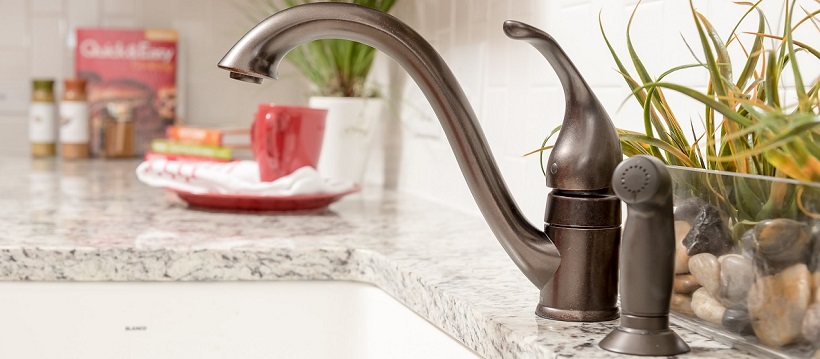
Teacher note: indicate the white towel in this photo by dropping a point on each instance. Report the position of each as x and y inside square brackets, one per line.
[238, 177]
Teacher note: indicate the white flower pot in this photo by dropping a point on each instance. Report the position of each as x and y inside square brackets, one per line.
[349, 130]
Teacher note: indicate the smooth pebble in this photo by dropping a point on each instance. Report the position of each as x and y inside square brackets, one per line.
[706, 269]
[706, 307]
[777, 304]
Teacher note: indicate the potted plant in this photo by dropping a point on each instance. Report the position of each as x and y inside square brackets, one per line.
[747, 190]
[337, 70]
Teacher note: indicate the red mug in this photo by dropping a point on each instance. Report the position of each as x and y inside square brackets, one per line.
[286, 138]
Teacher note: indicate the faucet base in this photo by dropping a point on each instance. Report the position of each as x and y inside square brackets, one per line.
[585, 286]
[566, 315]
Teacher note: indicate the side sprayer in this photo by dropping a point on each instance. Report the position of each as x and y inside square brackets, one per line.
[648, 260]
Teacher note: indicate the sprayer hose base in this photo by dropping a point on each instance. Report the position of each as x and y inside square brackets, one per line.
[644, 342]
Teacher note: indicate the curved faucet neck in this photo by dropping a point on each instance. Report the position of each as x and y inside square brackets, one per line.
[260, 51]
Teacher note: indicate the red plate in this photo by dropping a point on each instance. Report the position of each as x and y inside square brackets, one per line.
[262, 203]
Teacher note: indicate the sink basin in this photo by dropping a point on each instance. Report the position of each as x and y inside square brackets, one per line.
[214, 320]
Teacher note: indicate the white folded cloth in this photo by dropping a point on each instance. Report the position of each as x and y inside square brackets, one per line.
[238, 177]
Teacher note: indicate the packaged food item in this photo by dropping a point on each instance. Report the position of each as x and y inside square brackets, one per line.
[118, 131]
[74, 120]
[42, 124]
[134, 69]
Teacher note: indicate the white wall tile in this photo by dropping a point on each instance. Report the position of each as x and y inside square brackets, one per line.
[577, 31]
[13, 23]
[462, 21]
[51, 7]
[157, 13]
[81, 13]
[14, 64]
[13, 8]
[192, 9]
[444, 15]
[14, 97]
[523, 11]
[47, 44]
[68, 62]
[119, 7]
[479, 10]
[12, 142]
[119, 21]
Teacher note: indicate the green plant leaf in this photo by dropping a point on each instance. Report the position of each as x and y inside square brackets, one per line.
[660, 144]
[639, 94]
[798, 78]
[724, 62]
[706, 100]
[752, 7]
[669, 130]
[771, 83]
[775, 142]
[544, 146]
[711, 64]
[756, 52]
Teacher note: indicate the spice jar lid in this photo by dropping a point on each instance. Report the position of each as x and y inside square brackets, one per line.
[74, 84]
[43, 85]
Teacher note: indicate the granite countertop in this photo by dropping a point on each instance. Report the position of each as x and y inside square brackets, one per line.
[93, 221]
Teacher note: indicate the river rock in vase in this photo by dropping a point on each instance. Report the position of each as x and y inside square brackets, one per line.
[780, 243]
[709, 232]
[778, 303]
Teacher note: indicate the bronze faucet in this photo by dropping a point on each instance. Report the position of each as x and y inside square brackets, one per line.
[575, 260]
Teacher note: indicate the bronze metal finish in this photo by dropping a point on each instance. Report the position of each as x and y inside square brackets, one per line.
[587, 149]
[580, 168]
[644, 184]
[582, 217]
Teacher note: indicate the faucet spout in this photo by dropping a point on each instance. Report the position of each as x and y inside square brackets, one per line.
[258, 54]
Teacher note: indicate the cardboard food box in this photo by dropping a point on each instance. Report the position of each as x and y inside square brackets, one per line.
[131, 76]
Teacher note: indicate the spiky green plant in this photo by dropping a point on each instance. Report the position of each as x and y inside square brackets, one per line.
[336, 68]
[749, 127]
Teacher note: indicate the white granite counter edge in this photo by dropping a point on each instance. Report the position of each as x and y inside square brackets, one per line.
[455, 316]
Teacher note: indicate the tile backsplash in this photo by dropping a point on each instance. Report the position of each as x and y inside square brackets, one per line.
[517, 96]
[514, 92]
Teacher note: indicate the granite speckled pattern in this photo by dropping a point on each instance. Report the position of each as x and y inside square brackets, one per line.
[93, 221]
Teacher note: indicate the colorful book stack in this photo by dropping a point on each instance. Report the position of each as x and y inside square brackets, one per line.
[201, 144]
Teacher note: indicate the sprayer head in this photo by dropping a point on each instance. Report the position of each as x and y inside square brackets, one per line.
[641, 179]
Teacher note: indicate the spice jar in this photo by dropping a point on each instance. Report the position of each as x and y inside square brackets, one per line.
[119, 130]
[74, 131]
[42, 130]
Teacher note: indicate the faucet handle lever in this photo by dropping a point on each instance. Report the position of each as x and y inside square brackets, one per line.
[571, 79]
[587, 149]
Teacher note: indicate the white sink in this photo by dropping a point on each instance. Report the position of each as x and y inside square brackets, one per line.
[213, 320]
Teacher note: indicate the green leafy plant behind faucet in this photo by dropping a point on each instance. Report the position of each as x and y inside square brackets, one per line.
[336, 68]
[752, 124]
